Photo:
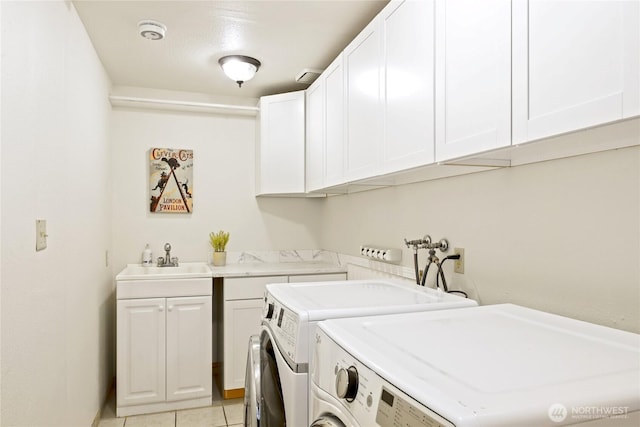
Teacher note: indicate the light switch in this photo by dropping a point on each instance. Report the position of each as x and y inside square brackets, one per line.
[41, 234]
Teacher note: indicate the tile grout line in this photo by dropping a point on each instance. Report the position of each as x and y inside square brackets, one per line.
[224, 413]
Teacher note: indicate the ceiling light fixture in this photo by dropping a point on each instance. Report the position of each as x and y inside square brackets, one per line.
[151, 30]
[239, 68]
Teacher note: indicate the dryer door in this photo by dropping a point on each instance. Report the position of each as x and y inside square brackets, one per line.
[271, 403]
[327, 421]
[252, 384]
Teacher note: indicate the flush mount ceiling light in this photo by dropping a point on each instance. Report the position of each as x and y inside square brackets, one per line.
[151, 30]
[239, 68]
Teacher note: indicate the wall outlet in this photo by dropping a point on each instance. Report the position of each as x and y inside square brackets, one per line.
[458, 266]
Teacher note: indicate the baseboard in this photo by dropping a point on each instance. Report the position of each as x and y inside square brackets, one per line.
[98, 417]
[235, 393]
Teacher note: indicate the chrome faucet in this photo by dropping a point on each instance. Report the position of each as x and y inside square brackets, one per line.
[168, 260]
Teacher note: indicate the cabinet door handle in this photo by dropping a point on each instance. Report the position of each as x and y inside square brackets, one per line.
[160, 307]
[170, 307]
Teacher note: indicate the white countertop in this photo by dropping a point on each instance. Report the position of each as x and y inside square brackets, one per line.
[276, 269]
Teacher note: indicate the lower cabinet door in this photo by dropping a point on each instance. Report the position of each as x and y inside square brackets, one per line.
[189, 373]
[241, 320]
[140, 351]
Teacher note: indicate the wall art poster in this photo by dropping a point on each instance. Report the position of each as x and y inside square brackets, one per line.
[171, 180]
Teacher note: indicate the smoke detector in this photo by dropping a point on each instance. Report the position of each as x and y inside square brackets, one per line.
[308, 75]
[151, 30]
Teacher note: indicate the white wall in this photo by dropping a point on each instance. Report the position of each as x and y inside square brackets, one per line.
[0, 216]
[56, 304]
[562, 236]
[223, 189]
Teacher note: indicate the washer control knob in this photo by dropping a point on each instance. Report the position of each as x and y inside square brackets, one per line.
[270, 308]
[347, 383]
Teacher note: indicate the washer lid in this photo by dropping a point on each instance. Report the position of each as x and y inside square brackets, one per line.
[499, 365]
[327, 300]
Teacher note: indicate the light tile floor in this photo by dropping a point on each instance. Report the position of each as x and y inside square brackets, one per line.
[223, 413]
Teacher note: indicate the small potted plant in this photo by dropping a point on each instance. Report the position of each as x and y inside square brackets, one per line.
[219, 242]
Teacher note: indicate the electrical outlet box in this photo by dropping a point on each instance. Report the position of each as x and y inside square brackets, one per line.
[458, 266]
[41, 234]
[389, 255]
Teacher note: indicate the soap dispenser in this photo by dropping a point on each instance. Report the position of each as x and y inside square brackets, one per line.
[147, 256]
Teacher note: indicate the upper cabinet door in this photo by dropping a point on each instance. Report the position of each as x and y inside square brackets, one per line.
[408, 37]
[315, 155]
[280, 151]
[364, 112]
[575, 65]
[473, 76]
[333, 78]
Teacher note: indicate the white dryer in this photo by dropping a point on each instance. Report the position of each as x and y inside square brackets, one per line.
[500, 365]
[291, 312]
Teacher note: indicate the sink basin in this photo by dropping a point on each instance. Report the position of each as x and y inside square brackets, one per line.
[185, 270]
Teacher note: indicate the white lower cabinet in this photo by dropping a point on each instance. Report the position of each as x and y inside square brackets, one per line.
[243, 302]
[141, 351]
[241, 320]
[163, 354]
[188, 348]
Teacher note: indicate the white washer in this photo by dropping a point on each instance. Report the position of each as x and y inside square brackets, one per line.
[500, 365]
[291, 312]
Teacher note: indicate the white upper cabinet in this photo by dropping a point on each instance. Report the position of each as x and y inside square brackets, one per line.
[575, 65]
[364, 109]
[389, 75]
[333, 79]
[325, 128]
[408, 39]
[315, 155]
[280, 151]
[441, 81]
[473, 76]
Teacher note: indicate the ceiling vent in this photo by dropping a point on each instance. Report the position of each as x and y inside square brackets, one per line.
[308, 75]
